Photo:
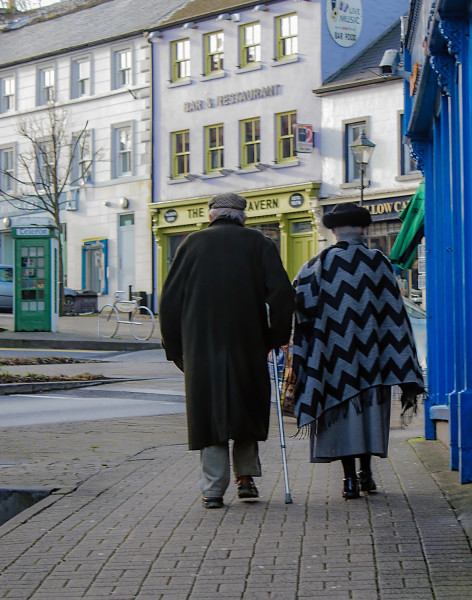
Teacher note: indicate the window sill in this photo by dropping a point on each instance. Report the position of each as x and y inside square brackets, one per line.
[349, 185]
[176, 180]
[255, 67]
[278, 62]
[211, 76]
[410, 176]
[180, 82]
[288, 163]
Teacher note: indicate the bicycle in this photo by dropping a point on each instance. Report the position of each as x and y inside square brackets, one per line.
[140, 318]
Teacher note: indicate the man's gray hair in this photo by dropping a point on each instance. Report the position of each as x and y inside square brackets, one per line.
[347, 229]
[227, 213]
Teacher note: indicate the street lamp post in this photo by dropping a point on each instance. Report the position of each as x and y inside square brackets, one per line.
[362, 150]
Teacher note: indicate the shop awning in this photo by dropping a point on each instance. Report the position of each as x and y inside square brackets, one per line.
[412, 231]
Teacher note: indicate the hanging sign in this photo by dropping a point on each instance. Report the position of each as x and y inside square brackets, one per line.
[344, 20]
[303, 138]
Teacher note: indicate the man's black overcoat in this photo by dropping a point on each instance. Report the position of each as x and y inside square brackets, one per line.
[214, 323]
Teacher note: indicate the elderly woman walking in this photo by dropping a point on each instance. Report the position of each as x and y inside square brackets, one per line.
[352, 342]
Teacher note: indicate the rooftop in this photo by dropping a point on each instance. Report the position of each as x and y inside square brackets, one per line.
[78, 24]
[363, 69]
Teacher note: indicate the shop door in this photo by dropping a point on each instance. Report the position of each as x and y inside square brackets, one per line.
[126, 252]
[34, 300]
[301, 246]
[94, 268]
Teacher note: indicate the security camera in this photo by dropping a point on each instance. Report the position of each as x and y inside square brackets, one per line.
[389, 63]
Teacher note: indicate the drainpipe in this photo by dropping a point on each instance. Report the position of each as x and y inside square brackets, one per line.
[151, 37]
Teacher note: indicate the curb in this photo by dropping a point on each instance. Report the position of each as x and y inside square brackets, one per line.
[78, 344]
[45, 386]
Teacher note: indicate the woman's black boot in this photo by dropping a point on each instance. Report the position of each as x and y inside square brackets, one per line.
[366, 481]
[351, 488]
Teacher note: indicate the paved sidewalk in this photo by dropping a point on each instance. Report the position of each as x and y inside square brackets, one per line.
[126, 522]
[125, 519]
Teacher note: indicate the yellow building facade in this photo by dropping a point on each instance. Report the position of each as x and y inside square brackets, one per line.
[283, 214]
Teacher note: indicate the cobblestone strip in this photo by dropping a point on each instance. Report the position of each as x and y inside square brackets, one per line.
[444, 544]
[83, 531]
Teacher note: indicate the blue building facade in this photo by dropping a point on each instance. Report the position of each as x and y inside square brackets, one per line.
[437, 53]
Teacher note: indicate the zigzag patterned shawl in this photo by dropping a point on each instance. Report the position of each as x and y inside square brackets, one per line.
[351, 330]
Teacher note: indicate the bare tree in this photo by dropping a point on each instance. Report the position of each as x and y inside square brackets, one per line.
[50, 162]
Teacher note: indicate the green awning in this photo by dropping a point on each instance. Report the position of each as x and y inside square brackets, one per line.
[412, 231]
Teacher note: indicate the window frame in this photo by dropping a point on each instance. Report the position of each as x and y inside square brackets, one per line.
[281, 39]
[3, 103]
[243, 46]
[175, 172]
[281, 137]
[254, 143]
[177, 62]
[117, 171]
[217, 149]
[404, 155]
[10, 149]
[76, 79]
[351, 171]
[118, 84]
[209, 55]
[76, 172]
[44, 94]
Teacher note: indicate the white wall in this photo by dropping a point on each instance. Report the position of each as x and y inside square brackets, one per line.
[296, 81]
[103, 109]
[381, 105]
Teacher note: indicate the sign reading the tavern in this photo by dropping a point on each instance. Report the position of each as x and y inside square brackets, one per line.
[233, 98]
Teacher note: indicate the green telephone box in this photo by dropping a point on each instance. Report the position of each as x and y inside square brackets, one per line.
[36, 301]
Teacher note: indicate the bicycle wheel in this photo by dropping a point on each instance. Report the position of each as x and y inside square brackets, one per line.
[107, 321]
[142, 323]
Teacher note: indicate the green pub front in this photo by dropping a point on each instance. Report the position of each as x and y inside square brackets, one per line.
[36, 292]
[283, 214]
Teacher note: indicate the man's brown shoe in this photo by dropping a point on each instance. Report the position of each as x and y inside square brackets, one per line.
[246, 487]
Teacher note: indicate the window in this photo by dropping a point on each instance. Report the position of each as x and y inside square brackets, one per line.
[214, 148]
[351, 132]
[7, 169]
[81, 85]
[180, 154]
[214, 46]
[45, 162]
[122, 60]
[285, 136]
[250, 142]
[180, 59]
[81, 170]
[123, 151]
[46, 80]
[7, 90]
[287, 36]
[250, 44]
[407, 163]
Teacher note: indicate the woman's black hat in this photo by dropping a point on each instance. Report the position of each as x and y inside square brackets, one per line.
[347, 213]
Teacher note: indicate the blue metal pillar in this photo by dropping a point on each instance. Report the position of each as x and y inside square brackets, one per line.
[465, 397]
[432, 297]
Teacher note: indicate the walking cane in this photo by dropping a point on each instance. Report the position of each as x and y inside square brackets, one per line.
[288, 497]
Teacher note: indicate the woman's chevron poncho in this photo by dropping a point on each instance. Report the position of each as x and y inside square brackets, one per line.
[351, 330]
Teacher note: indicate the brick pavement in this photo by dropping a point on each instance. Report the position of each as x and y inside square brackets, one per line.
[127, 522]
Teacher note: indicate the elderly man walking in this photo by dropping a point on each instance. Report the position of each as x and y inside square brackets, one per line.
[352, 342]
[215, 328]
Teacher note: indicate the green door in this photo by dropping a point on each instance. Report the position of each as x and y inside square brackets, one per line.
[301, 246]
[33, 289]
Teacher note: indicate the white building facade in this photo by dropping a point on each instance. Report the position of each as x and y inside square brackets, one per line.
[94, 66]
[235, 111]
[359, 99]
